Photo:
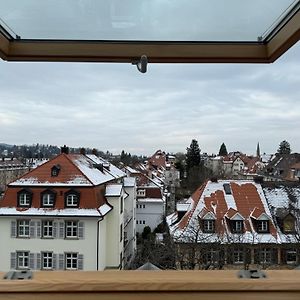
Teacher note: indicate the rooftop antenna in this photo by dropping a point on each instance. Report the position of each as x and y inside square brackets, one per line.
[141, 64]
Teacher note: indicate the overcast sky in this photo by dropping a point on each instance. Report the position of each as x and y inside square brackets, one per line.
[114, 107]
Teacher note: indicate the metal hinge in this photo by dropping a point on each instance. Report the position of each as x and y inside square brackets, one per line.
[251, 274]
[18, 275]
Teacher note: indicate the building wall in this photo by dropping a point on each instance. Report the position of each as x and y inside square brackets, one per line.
[149, 214]
[130, 224]
[86, 246]
[114, 244]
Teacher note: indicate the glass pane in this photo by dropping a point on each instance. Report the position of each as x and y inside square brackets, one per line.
[148, 20]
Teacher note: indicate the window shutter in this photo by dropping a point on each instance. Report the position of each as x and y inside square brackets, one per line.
[13, 231]
[81, 230]
[230, 257]
[38, 229]
[32, 229]
[31, 261]
[13, 260]
[38, 261]
[80, 262]
[54, 261]
[61, 230]
[61, 262]
[55, 231]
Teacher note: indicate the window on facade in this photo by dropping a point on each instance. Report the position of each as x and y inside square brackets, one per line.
[265, 256]
[263, 226]
[144, 222]
[23, 260]
[48, 199]
[141, 193]
[71, 229]
[237, 226]
[47, 260]
[238, 256]
[209, 226]
[23, 228]
[291, 256]
[72, 200]
[211, 256]
[71, 261]
[47, 229]
[24, 199]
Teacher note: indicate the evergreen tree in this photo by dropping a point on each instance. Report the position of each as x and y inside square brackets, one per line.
[223, 150]
[284, 148]
[193, 155]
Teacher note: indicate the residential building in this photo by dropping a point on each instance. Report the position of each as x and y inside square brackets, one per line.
[150, 207]
[10, 169]
[229, 222]
[67, 214]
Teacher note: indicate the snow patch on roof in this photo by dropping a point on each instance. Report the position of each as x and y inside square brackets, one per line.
[113, 190]
[74, 212]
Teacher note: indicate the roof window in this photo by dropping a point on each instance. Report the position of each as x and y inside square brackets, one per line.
[227, 188]
[55, 170]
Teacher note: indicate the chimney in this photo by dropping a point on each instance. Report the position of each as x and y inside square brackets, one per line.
[64, 149]
[82, 151]
[95, 152]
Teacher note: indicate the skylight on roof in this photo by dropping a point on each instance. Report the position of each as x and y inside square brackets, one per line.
[143, 20]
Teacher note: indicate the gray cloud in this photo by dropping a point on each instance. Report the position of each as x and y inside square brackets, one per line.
[112, 106]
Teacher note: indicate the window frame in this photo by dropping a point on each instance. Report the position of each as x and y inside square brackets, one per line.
[26, 227]
[72, 193]
[209, 226]
[49, 194]
[50, 228]
[71, 258]
[261, 228]
[73, 228]
[235, 228]
[47, 260]
[25, 256]
[27, 194]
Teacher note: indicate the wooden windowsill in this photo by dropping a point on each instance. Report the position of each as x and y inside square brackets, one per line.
[153, 285]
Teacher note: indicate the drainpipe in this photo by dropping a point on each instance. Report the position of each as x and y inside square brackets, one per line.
[97, 250]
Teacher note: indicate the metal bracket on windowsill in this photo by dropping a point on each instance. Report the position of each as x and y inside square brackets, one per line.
[252, 274]
[18, 275]
[141, 64]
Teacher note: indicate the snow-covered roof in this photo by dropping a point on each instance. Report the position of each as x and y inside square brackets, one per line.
[113, 190]
[245, 196]
[68, 212]
[154, 200]
[129, 181]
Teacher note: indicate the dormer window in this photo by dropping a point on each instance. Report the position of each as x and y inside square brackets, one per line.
[237, 226]
[55, 170]
[47, 199]
[289, 224]
[263, 226]
[72, 199]
[208, 226]
[24, 198]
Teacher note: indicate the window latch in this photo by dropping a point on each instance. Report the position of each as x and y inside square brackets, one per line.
[18, 275]
[252, 274]
[141, 64]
